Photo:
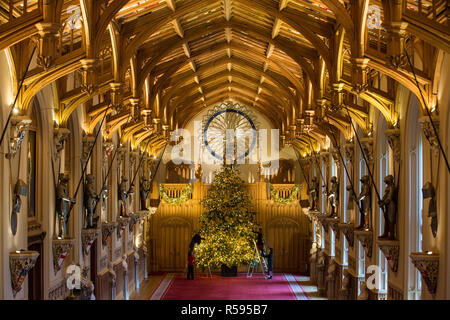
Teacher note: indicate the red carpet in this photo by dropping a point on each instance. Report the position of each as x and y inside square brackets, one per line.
[176, 287]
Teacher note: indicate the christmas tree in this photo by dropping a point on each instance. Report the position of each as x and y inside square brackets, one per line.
[228, 226]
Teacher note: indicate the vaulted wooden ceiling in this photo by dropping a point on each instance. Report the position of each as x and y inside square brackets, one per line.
[157, 63]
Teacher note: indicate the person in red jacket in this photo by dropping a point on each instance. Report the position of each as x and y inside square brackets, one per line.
[191, 258]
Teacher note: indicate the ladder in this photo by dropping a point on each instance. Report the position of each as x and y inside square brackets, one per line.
[261, 261]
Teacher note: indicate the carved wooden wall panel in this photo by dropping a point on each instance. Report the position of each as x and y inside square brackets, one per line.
[285, 229]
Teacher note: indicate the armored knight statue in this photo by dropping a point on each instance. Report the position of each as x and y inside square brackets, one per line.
[429, 192]
[144, 191]
[334, 197]
[90, 196]
[314, 194]
[365, 197]
[389, 203]
[123, 195]
[62, 204]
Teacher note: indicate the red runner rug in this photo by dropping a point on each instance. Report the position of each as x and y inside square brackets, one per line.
[281, 287]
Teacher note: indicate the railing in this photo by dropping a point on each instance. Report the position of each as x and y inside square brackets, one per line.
[12, 10]
[285, 190]
[434, 13]
[175, 190]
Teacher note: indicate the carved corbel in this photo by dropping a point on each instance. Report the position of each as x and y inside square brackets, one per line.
[88, 236]
[61, 248]
[334, 225]
[46, 41]
[157, 124]
[88, 142]
[116, 93]
[309, 120]
[122, 223]
[331, 271]
[428, 131]
[20, 263]
[165, 128]
[322, 219]
[147, 117]
[292, 132]
[367, 145]
[320, 110]
[108, 148]
[393, 138]
[349, 149]
[134, 156]
[361, 74]
[325, 156]
[391, 250]
[134, 218]
[19, 127]
[428, 265]
[135, 112]
[396, 36]
[337, 97]
[107, 230]
[88, 72]
[60, 136]
[335, 154]
[348, 231]
[366, 238]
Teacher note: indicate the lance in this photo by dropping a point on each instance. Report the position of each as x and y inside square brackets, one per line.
[17, 96]
[345, 166]
[111, 163]
[89, 156]
[364, 157]
[301, 167]
[140, 163]
[428, 111]
[318, 165]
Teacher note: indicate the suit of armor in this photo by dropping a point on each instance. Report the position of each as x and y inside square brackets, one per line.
[366, 202]
[313, 194]
[389, 203]
[62, 205]
[144, 190]
[90, 196]
[334, 197]
[123, 195]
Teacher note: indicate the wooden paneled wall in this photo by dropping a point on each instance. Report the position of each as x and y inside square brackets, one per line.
[285, 228]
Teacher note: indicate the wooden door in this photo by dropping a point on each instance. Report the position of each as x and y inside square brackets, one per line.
[173, 237]
[283, 236]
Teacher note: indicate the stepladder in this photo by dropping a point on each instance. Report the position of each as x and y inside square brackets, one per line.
[259, 261]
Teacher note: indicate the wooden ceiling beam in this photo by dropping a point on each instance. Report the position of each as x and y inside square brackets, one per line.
[283, 4]
[178, 28]
[227, 9]
[171, 4]
[276, 27]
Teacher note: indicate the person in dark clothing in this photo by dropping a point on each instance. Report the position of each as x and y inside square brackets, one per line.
[196, 239]
[259, 240]
[269, 257]
[191, 258]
